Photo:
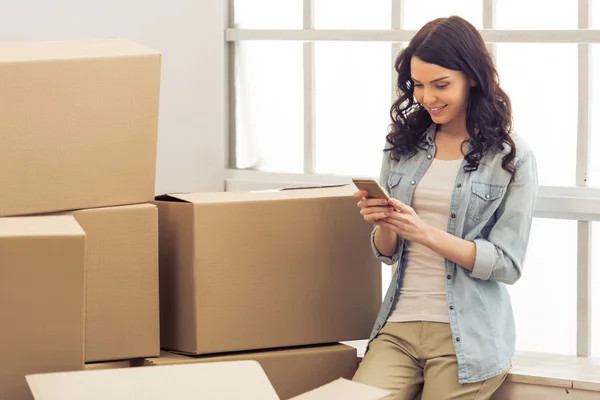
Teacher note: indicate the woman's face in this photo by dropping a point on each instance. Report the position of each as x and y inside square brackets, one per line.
[443, 92]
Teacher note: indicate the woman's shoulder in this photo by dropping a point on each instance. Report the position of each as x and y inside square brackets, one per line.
[523, 151]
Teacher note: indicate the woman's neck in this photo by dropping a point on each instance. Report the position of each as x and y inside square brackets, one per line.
[455, 128]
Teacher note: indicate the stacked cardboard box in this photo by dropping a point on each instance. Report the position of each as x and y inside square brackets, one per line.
[78, 235]
[278, 277]
[224, 380]
[249, 272]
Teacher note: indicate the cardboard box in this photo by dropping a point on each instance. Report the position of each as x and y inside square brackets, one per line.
[107, 365]
[291, 371]
[79, 125]
[42, 267]
[258, 270]
[122, 319]
[232, 380]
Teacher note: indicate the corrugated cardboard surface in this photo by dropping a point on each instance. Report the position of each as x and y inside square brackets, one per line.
[79, 125]
[291, 371]
[122, 319]
[42, 267]
[345, 389]
[271, 270]
[216, 381]
[107, 365]
[229, 380]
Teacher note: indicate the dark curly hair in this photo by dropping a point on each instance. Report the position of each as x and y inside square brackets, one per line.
[453, 43]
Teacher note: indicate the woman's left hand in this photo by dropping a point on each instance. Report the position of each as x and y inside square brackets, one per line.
[406, 223]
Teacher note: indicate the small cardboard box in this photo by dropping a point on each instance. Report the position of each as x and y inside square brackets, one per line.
[231, 380]
[122, 317]
[42, 299]
[258, 270]
[79, 125]
[291, 371]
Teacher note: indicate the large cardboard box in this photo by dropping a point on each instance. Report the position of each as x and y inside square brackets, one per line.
[122, 318]
[79, 125]
[230, 380]
[258, 270]
[42, 267]
[291, 371]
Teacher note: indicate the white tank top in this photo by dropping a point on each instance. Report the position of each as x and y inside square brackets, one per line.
[422, 294]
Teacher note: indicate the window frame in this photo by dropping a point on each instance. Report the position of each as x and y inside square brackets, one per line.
[580, 202]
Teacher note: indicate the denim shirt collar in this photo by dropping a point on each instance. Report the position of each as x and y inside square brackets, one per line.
[430, 133]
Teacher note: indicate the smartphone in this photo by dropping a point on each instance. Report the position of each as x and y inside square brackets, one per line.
[373, 188]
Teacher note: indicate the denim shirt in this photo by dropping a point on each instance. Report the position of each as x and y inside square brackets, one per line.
[496, 214]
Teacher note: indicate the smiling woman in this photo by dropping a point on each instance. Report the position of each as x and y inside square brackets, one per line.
[441, 88]
[462, 189]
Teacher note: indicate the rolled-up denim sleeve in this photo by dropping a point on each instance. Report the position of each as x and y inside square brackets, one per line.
[500, 256]
[383, 181]
[384, 259]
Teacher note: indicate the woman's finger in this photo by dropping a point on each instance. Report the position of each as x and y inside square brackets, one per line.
[376, 216]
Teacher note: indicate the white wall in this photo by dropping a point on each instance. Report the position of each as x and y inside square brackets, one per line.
[190, 35]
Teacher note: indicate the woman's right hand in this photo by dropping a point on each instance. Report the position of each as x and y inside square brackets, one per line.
[372, 210]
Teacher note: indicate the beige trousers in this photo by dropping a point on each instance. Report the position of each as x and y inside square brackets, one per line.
[412, 358]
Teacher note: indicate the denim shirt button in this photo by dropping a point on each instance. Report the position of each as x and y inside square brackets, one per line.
[451, 307]
[453, 215]
[413, 182]
[429, 156]
[449, 277]
[458, 339]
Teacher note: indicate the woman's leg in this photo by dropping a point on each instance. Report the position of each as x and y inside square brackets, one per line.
[441, 370]
[392, 361]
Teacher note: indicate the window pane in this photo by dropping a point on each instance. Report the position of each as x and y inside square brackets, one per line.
[595, 6]
[386, 279]
[595, 115]
[353, 14]
[545, 298]
[596, 289]
[352, 101]
[269, 106]
[536, 14]
[418, 12]
[544, 106]
[268, 14]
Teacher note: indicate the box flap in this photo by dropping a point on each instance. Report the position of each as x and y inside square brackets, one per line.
[344, 389]
[168, 358]
[71, 49]
[177, 197]
[266, 195]
[216, 381]
[40, 226]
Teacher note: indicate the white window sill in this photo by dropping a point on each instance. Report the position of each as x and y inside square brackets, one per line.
[558, 371]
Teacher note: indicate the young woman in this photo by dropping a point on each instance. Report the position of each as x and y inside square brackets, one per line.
[463, 188]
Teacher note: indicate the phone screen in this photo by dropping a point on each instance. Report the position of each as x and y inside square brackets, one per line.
[373, 189]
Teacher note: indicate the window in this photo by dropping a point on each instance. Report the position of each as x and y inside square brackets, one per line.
[352, 101]
[269, 111]
[595, 112]
[342, 70]
[417, 12]
[535, 14]
[528, 73]
[268, 14]
[544, 294]
[596, 290]
[595, 104]
[357, 14]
